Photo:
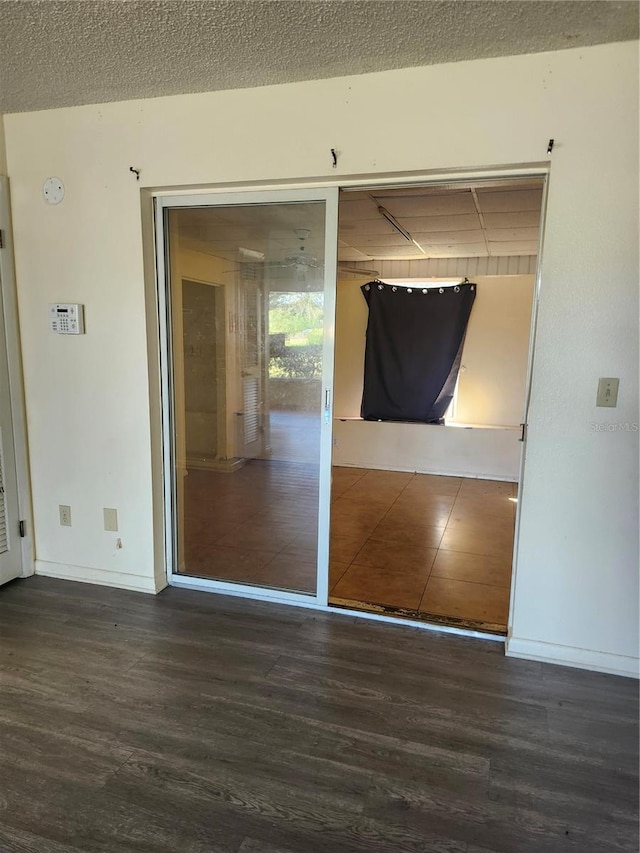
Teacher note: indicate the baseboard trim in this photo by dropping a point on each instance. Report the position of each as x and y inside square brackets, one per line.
[101, 577]
[202, 463]
[468, 475]
[572, 656]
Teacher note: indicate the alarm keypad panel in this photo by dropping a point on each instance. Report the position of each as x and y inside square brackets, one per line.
[66, 318]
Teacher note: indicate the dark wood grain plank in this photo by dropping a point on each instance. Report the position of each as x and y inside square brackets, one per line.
[190, 722]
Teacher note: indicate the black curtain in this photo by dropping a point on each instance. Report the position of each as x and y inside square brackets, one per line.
[413, 350]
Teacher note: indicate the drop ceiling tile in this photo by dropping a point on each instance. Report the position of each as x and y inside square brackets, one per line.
[379, 225]
[443, 205]
[436, 238]
[394, 239]
[385, 252]
[525, 247]
[491, 201]
[357, 210]
[513, 219]
[350, 254]
[462, 222]
[456, 250]
[503, 235]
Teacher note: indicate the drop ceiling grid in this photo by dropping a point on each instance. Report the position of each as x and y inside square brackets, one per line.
[500, 221]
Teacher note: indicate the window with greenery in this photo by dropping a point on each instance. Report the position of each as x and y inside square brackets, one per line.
[295, 335]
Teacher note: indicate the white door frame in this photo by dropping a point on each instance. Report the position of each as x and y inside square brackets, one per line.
[163, 202]
[527, 400]
[16, 386]
[180, 197]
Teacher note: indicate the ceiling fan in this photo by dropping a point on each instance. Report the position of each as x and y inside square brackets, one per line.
[299, 261]
[299, 258]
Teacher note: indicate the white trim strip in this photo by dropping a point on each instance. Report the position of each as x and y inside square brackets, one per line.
[309, 603]
[572, 656]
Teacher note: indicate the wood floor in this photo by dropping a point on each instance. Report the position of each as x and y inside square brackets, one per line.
[193, 723]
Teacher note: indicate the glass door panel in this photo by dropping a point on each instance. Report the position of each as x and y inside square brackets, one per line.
[248, 322]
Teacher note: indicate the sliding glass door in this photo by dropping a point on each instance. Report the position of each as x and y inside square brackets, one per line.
[247, 288]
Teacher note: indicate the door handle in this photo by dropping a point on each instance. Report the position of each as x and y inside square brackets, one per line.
[327, 405]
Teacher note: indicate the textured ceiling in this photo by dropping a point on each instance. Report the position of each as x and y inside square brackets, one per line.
[55, 54]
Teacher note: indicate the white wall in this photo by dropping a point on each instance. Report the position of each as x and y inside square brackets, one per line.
[491, 389]
[487, 453]
[493, 377]
[576, 589]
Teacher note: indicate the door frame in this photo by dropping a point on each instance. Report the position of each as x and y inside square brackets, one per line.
[164, 201]
[542, 173]
[16, 384]
[156, 306]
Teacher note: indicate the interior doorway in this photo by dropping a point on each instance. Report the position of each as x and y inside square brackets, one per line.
[276, 486]
[424, 512]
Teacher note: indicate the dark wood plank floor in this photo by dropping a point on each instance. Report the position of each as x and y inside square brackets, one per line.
[192, 722]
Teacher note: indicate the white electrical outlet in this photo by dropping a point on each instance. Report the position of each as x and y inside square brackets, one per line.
[110, 519]
[65, 515]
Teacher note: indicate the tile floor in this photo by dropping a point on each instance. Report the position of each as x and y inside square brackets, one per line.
[257, 525]
[435, 545]
[412, 542]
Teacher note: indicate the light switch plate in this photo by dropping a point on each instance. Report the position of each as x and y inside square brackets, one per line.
[607, 392]
[110, 519]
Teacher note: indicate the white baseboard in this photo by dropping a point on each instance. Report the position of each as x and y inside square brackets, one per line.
[102, 577]
[572, 656]
[433, 471]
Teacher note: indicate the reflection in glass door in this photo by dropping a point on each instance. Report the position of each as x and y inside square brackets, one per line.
[250, 326]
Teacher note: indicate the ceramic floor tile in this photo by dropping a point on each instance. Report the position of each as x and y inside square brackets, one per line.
[288, 572]
[267, 537]
[472, 487]
[383, 479]
[349, 518]
[479, 602]
[456, 565]
[258, 525]
[434, 513]
[382, 586]
[395, 555]
[473, 540]
[342, 471]
[431, 484]
[342, 549]
[232, 564]
[381, 494]
[336, 571]
[365, 502]
[482, 524]
[302, 549]
[403, 531]
[500, 506]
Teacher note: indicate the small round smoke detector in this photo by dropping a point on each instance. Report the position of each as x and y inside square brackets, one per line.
[53, 190]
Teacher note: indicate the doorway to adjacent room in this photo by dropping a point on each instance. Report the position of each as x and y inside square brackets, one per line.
[424, 505]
